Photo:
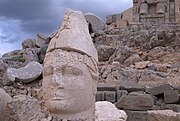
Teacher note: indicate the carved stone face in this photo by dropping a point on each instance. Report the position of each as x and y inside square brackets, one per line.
[67, 83]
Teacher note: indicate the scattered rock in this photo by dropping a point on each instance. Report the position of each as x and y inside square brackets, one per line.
[132, 60]
[121, 54]
[30, 54]
[29, 43]
[41, 40]
[156, 90]
[3, 67]
[174, 107]
[106, 111]
[163, 115]
[105, 52]
[176, 65]
[161, 67]
[142, 65]
[137, 115]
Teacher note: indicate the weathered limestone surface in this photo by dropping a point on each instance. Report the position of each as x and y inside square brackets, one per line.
[163, 115]
[106, 111]
[174, 107]
[171, 96]
[26, 74]
[136, 102]
[41, 40]
[96, 23]
[30, 55]
[4, 99]
[142, 65]
[24, 108]
[70, 71]
[137, 115]
[160, 89]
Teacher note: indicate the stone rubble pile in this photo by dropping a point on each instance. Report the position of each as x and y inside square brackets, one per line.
[136, 99]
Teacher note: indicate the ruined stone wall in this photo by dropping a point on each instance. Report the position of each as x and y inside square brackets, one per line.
[156, 11]
[177, 10]
[147, 12]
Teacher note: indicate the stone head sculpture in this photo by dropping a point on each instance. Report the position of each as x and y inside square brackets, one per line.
[70, 71]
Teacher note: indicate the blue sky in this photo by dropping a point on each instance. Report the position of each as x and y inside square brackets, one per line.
[23, 19]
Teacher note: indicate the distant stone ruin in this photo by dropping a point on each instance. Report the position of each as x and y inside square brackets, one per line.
[148, 12]
[163, 11]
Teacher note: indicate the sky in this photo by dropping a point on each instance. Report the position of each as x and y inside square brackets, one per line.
[24, 19]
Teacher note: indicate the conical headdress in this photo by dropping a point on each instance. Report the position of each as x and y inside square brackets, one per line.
[74, 35]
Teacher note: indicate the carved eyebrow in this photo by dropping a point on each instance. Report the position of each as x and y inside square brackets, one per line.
[69, 70]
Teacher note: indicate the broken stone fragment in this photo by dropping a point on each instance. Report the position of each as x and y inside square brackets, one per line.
[106, 111]
[160, 89]
[163, 115]
[137, 102]
[96, 23]
[3, 67]
[142, 65]
[28, 43]
[137, 115]
[4, 99]
[41, 40]
[27, 74]
[171, 96]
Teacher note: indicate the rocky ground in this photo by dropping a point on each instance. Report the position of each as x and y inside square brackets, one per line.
[139, 70]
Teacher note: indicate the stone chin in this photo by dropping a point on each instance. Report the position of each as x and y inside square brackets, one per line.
[65, 106]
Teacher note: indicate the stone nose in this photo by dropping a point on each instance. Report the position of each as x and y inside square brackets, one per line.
[58, 80]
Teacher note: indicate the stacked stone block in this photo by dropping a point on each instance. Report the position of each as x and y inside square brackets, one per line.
[137, 100]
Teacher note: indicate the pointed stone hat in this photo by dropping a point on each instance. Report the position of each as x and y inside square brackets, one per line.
[74, 35]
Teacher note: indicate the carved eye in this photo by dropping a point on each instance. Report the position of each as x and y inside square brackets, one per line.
[48, 71]
[68, 70]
